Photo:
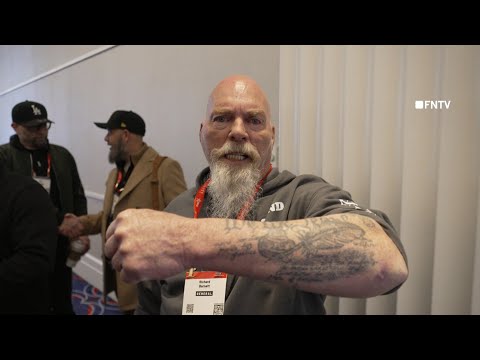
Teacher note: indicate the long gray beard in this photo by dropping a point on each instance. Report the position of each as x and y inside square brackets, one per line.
[230, 189]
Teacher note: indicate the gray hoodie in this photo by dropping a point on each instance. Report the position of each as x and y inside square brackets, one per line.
[284, 197]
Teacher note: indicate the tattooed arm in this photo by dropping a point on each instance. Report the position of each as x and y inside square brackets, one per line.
[343, 254]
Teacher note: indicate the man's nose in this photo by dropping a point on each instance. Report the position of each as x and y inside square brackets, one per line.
[238, 132]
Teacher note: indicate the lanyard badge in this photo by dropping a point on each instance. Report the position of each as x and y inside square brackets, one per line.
[204, 293]
[44, 181]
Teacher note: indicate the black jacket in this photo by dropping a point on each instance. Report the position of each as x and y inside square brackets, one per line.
[28, 239]
[70, 196]
[66, 194]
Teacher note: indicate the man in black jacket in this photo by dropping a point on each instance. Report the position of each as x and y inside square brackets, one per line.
[27, 246]
[29, 153]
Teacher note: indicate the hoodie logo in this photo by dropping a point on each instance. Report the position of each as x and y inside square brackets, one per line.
[350, 203]
[278, 206]
[353, 204]
[36, 110]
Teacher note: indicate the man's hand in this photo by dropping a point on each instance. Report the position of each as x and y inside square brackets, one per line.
[71, 226]
[86, 242]
[146, 244]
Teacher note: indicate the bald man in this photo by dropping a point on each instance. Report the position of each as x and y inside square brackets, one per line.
[249, 239]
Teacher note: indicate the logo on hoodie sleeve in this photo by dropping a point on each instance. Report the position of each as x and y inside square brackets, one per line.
[350, 203]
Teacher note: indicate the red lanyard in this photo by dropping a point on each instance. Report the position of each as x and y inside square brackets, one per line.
[49, 164]
[119, 179]
[200, 197]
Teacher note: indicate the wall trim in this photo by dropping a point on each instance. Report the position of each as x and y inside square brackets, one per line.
[56, 69]
[94, 195]
[90, 268]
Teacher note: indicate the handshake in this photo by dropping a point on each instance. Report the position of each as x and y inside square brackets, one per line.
[71, 226]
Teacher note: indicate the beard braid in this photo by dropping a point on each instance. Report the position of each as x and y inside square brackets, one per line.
[230, 189]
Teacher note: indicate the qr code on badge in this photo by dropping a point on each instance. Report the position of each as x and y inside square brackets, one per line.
[217, 309]
[189, 309]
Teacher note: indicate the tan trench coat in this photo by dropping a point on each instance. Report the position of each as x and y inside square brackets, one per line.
[136, 194]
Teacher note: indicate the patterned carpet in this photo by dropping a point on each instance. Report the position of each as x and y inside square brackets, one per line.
[88, 300]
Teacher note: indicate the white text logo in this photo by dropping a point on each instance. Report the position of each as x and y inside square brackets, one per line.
[353, 204]
[278, 206]
[349, 203]
[432, 104]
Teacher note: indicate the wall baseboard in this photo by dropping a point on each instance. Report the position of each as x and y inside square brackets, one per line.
[90, 265]
[90, 268]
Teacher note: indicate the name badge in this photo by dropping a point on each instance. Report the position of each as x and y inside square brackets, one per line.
[204, 293]
[44, 181]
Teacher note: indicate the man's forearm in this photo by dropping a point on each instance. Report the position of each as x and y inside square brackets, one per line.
[92, 223]
[342, 255]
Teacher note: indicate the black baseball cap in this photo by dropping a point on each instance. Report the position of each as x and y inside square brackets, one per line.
[29, 114]
[122, 119]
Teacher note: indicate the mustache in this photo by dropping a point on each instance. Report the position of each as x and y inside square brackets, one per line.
[231, 148]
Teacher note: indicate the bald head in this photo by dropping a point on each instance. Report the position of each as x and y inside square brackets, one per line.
[237, 129]
[237, 87]
[237, 137]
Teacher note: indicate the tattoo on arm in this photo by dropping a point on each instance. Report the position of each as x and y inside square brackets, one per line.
[367, 222]
[232, 251]
[319, 255]
[234, 225]
[328, 254]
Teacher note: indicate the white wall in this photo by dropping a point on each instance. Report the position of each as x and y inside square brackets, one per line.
[21, 62]
[167, 85]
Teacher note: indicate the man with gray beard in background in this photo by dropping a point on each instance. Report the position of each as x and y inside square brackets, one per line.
[260, 241]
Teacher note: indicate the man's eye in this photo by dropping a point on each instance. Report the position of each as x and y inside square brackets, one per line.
[255, 120]
[219, 118]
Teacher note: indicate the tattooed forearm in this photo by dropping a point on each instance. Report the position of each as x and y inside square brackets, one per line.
[315, 250]
[326, 267]
[236, 225]
[318, 235]
[320, 253]
[231, 251]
